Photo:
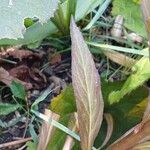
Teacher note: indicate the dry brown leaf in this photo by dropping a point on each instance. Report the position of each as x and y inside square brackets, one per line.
[110, 126]
[142, 146]
[86, 84]
[120, 59]
[55, 58]
[22, 54]
[47, 130]
[19, 54]
[26, 74]
[6, 78]
[132, 138]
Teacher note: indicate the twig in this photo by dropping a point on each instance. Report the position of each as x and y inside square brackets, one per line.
[15, 142]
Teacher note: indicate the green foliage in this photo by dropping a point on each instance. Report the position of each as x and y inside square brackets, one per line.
[59, 136]
[64, 103]
[31, 145]
[62, 18]
[6, 108]
[127, 109]
[136, 1]
[18, 90]
[13, 14]
[38, 31]
[136, 79]
[123, 112]
[132, 15]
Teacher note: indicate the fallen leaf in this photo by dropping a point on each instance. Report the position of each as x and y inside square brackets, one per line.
[26, 74]
[86, 84]
[6, 78]
[22, 54]
[55, 58]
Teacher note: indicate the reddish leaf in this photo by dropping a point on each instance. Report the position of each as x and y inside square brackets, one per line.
[86, 84]
[56, 58]
[6, 78]
[19, 54]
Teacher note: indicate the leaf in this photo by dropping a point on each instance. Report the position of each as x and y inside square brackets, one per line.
[18, 90]
[6, 78]
[122, 112]
[13, 14]
[86, 84]
[110, 124]
[31, 145]
[41, 98]
[136, 79]
[38, 31]
[64, 103]
[59, 136]
[19, 54]
[126, 119]
[47, 130]
[133, 21]
[6, 108]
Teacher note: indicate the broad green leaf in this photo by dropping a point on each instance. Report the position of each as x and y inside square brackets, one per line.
[138, 109]
[86, 85]
[38, 32]
[64, 103]
[136, 79]
[126, 113]
[31, 145]
[6, 108]
[127, 9]
[58, 139]
[13, 14]
[18, 90]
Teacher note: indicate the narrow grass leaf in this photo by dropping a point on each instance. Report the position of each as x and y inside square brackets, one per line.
[86, 84]
[106, 47]
[99, 13]
[41, 98]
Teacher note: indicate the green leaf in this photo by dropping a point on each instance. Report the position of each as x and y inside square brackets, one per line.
[59, 136]
[87, 89]
[132, 15]
[18, 90]
[136, 79]
[64, 105]
[31, 145]
[6, 108]
[41, 98]
[65, 102]
[13, 14]
[126, 113]
[38, 32]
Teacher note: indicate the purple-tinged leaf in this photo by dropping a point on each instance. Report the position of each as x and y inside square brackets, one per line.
[86, 84]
